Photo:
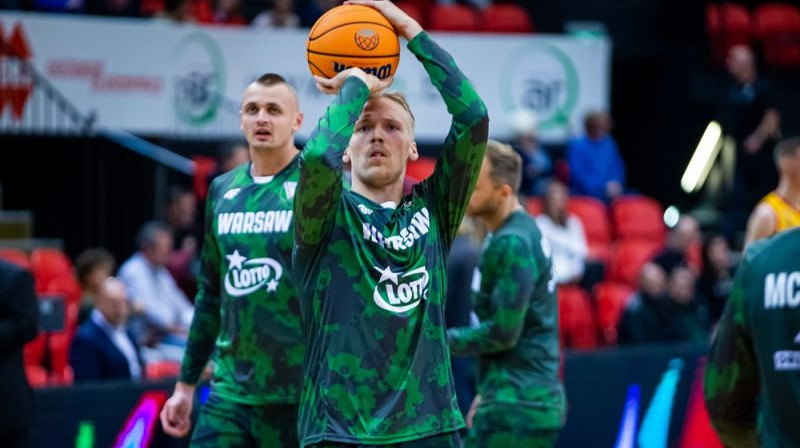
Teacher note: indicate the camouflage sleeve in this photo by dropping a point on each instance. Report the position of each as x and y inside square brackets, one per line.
[206, 322]
[462, 153]
[510, 267]
[320, 186]
[731, 380]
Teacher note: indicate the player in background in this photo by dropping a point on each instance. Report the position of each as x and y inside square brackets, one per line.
[752, 379]
[780, 209]
[247, 308]
[520, 400]
[371, 262]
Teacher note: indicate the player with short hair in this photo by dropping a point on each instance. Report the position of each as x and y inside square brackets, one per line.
[520, 400]
[247, 308]
[752, 378]
[370, 261]
[780, 209]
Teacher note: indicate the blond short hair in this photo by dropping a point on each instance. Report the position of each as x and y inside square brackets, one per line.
[506, 168]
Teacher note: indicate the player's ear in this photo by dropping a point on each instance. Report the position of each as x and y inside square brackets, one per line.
[413, 154]
[298, 122]
[346, 155]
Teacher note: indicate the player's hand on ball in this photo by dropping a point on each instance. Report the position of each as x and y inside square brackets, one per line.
[405, 25]
[332, 85]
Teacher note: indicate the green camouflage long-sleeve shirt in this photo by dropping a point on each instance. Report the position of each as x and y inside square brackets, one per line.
[752, 378]
[247, 311]
[517, 338]
[377, 369]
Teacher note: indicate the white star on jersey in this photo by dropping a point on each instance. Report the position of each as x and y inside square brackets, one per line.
[235, 259]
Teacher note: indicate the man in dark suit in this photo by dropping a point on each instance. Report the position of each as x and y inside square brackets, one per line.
[102, 348]
[19, 316]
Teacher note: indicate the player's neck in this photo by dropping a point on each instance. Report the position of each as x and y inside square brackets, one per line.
[789, 193]
[268, 162]
[501, 213]
[379, 195]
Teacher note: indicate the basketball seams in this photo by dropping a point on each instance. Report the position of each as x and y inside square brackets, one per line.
[355, 56]
[390, 28]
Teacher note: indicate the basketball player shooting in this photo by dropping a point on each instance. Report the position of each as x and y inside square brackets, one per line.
[370, 262]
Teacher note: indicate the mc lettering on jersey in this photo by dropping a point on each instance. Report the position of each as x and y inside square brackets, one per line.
[273, 221]
[406, 237]
[782, 290]
[399, 292]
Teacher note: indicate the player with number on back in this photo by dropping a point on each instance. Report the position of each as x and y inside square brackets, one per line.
[370, 261]
[520, 401]
[247, 308]
[752, 379]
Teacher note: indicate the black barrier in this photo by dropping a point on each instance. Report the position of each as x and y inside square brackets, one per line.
[597, 383]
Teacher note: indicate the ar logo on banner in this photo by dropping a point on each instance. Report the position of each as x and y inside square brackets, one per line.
[16, 82]
[542, 78]
[200, 79]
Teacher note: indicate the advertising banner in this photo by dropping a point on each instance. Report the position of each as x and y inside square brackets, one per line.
[153, 77]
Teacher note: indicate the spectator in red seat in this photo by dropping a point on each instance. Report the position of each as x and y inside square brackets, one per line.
[163, 311]
[687, 313]
[747, 111]
[280, 16]
[187, 232]
[716, 279]
[19, 318]
[565, 234]
[93, 267]
[595, 165]
[642, 319]
[681, 241]
[228, 12]
[103, 349]
[537, 166]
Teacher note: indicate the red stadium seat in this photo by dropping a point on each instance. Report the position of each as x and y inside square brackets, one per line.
[48, 264]
[576, 320]
[453, 18]
[414, 10]
[638, 217]
[421, 168]
[596, 225]
[59, 343]
[727, 25]
[777, 26]
[65, 286]
[611, 299]
[627, 259]
[162, 369]
[16, 256]
[533, 205]
[33, 352]
[37, 376]
[506, 18]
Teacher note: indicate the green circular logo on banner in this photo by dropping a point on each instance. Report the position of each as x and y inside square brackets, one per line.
[200, 82]
[542, 78]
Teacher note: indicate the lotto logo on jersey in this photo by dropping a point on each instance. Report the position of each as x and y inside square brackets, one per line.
[399, 292]
[245, 276]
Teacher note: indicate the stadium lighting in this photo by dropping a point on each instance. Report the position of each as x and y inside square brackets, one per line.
[702, 159]
[671, 216]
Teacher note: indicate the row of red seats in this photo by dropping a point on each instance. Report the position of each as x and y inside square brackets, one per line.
[585, 323]
[496, 18]
[47, 356]
[776, 26]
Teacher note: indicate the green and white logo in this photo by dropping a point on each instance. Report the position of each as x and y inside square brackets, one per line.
[200, 83]
[399, 292]
[540, 77]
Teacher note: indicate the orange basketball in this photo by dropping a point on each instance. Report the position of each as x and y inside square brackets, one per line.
[353, 36]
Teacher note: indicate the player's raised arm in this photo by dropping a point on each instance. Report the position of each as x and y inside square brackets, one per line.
[320, 186]
[465, 144]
